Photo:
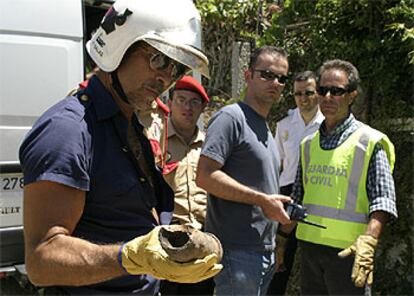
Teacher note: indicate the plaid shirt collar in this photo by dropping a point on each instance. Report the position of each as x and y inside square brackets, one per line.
[340, 128]
[339, 134]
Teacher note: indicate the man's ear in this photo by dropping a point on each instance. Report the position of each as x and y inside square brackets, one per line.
[248, 75]
[353, 95]
[169, 101]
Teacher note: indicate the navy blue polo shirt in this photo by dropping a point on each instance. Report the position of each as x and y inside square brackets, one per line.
[81, 142]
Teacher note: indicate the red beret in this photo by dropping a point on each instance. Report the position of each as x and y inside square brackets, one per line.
[191, 84]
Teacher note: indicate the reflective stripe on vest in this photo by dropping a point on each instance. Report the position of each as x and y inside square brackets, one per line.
[348, 213]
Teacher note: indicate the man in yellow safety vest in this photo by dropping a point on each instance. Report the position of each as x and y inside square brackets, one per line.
[345, 181]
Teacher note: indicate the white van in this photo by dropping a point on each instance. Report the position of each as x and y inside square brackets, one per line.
[42, 57]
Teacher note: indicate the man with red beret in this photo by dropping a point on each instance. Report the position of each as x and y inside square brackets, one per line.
[187, 102]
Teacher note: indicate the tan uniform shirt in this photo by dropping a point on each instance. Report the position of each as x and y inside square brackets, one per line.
[180, 174]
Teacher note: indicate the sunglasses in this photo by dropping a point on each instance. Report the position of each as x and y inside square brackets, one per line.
[307, 93]
[270, 76]
[334, 91]
[161, 62]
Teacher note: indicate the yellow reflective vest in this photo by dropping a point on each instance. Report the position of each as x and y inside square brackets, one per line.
[334, 183]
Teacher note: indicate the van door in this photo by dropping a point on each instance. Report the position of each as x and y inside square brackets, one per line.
[41, 60]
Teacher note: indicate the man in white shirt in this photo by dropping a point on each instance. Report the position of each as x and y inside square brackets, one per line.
[300, 122]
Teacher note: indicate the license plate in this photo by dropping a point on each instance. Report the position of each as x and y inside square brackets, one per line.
[11, 199]
[11, 183]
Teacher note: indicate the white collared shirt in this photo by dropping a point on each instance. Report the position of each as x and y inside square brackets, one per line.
[289, 133]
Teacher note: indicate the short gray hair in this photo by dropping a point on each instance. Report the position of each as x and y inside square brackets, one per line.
[347, 67]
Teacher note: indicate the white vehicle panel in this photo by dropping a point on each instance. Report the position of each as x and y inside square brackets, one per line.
[48, 17]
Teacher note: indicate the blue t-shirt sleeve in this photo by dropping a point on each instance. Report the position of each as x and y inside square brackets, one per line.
[222, 137]
[56, 150]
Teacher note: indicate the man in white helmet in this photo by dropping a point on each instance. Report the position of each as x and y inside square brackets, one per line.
[93, 199]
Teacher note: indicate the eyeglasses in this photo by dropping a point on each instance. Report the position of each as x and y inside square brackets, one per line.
[194, 103]
[271, 76]
[307, 93]
[160, 62]
[334, 91]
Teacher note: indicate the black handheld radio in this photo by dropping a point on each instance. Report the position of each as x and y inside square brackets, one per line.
[298, 213]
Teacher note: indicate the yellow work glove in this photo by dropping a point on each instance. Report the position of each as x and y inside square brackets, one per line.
[364, 251]
[144, 255]
[281, 242]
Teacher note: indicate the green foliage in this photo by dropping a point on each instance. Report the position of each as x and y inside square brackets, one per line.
[366, 33]
[225, 21]
[402, 25]
[377, 36]
[229, 14]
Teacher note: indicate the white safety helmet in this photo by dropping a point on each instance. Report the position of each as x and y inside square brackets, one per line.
[170, 26]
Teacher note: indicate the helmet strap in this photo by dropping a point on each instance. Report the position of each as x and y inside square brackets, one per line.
[118, 87]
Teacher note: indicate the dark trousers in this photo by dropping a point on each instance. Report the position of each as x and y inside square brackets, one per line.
[324, 273]
[280, 279]
[202, 288]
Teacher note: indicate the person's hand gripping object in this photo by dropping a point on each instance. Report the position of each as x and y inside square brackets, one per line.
[364, 250]
[145, 255]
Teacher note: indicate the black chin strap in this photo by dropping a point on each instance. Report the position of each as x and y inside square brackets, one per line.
[118, 87]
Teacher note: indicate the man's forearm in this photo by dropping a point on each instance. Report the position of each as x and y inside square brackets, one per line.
[216, 182]
[376, 223]
[223, 186]
[65, 260]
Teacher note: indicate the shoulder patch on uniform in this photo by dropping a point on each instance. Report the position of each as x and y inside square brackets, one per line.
[285, 135]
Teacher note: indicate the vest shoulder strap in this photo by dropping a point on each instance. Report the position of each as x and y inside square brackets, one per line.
[369, 133]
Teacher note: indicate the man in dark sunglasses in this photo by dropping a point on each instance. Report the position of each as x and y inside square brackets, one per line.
[300, 122]
[94, 201]
[239, 169]
[344, 180]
